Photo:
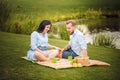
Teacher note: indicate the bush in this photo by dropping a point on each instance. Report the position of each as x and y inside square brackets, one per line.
[54, 29]
[5, 11]
[51, 35]
[103, 39]
[63, 33]
[18, 28]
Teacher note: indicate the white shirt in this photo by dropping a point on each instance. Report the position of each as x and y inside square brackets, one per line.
[77, 42]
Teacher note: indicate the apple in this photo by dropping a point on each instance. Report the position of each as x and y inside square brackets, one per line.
[74, 65]
[79, 65]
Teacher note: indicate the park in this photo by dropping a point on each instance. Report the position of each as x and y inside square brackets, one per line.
[19, 18]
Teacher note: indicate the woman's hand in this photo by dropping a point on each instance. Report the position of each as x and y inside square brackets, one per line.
[54, 47]
[46, 55]
[57, 48]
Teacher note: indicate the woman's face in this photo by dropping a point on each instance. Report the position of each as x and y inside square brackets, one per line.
[47, 28]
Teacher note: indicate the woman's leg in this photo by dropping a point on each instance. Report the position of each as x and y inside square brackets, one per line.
[40, 57]
[53, 53]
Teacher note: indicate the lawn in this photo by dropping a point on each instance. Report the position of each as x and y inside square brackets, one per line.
[12, 67]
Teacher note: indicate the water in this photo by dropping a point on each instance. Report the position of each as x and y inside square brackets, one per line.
[100, 25]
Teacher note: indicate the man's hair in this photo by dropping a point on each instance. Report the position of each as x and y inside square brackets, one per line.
[72, 22]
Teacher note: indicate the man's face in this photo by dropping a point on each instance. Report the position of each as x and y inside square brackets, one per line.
[70, 28]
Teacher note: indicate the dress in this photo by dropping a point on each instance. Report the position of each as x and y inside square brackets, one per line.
[37, 41]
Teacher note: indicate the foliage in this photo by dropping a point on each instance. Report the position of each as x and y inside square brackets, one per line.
[103, 39]
[5, 12]
[27, 14]
[63, 32]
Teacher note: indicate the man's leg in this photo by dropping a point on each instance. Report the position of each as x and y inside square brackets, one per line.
[69, 52]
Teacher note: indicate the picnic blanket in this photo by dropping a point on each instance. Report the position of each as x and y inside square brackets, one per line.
[64, 63]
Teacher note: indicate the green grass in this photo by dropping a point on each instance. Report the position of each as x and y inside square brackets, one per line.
[28, 5]
[12, 67]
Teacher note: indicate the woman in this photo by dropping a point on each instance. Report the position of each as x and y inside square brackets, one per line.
[38, 50]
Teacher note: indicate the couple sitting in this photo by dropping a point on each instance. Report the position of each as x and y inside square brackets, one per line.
[38, 50]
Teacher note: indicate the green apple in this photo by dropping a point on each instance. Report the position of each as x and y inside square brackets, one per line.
[73, 61]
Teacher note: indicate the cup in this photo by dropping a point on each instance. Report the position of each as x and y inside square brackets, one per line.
[54, 60]
[69, 58]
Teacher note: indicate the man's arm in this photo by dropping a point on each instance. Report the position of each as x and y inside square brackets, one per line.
[66, 47]
[85, 52]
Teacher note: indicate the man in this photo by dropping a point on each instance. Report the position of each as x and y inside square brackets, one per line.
[77, 45]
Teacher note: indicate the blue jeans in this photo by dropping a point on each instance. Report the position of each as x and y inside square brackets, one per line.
[68, 52]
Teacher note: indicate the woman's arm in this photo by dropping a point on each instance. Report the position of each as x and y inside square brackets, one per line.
[37, 49]
[54, 47]
[33, 40]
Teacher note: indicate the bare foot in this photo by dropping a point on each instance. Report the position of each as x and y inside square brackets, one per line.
[59, 53]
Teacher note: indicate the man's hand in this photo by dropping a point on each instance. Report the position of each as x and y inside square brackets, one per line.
[59, 55]
[62, 49]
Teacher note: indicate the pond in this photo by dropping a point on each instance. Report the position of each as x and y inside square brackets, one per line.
[99, 25]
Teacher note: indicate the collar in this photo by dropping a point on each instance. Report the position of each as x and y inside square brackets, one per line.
[75, 31]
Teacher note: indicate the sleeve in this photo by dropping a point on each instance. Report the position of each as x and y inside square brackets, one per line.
[33, 40]
[47, 44]
[82, 41]
[69, 42]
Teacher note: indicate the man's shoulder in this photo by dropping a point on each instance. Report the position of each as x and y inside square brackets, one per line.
[78, 33]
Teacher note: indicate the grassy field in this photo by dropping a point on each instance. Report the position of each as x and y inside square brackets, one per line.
[43, 5]
[12, 67]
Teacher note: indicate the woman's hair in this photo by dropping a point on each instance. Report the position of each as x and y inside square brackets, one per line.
[42, 25]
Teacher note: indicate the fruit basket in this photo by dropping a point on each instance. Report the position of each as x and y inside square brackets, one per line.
[82, 60]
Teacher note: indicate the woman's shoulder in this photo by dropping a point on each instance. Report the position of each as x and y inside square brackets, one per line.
[34, 33]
